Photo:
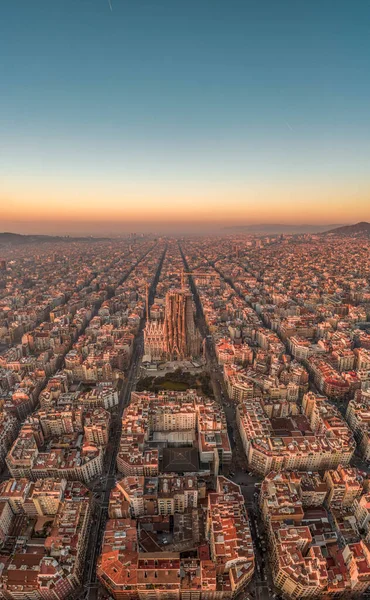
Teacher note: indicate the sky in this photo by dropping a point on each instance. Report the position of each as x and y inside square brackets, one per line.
[169, 114]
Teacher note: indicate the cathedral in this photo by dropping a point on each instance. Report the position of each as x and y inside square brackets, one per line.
[175, 338]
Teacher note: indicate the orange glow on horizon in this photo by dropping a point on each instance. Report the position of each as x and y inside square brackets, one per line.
[257, 203]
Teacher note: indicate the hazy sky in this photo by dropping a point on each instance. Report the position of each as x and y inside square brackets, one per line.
[232, 111]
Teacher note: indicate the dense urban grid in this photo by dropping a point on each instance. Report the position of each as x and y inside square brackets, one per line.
[185, 418]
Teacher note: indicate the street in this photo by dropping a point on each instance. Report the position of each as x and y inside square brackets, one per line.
[261, 587]
[91, 584]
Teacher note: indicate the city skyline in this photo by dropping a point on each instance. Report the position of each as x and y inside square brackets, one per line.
[183, 116]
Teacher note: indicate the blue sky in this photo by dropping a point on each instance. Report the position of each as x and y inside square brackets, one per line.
[186, 100]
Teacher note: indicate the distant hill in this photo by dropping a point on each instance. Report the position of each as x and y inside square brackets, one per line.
[359, 229]
[18, 239]
[278, 228]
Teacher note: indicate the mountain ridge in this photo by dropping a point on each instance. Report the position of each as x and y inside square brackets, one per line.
[363, 227]
[279, 228]
[7, 237]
